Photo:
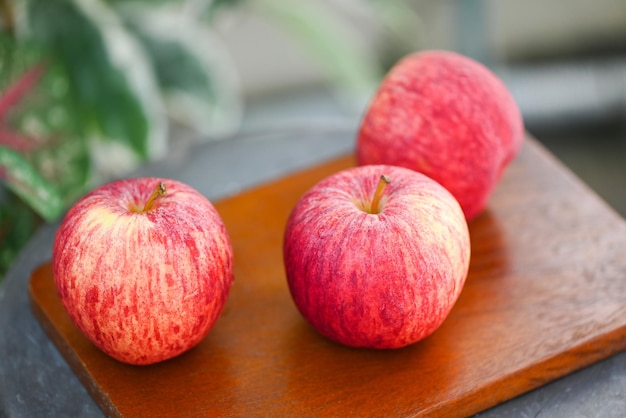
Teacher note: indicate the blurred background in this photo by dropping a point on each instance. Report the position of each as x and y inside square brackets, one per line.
[91, 89]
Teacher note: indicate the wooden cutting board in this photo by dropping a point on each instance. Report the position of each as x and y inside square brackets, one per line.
[546, 295]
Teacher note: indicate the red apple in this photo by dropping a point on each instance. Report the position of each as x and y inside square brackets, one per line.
[447, 116]
[143, 267]
[375, 261]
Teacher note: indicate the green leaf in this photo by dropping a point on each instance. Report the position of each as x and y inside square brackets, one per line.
[22, 179]
[17, 225]
[215, 6]
[316, 28]
[110, 76]
[195, 72]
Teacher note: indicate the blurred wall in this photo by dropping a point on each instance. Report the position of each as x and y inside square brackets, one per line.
[498, 30]
[545, 28]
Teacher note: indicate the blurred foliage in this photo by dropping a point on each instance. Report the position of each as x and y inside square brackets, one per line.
[88, 88]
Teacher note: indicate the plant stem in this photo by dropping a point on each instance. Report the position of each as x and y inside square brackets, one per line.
[382, 183]
[158, 191]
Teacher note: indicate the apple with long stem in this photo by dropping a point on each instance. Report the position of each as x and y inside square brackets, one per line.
[447, 116]
[376, 256]
[143, 267]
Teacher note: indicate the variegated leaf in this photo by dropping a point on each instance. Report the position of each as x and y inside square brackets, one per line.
[111, 79]
[195, 72]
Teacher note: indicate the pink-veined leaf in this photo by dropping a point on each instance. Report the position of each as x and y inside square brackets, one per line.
[16, 141]
[20, 88]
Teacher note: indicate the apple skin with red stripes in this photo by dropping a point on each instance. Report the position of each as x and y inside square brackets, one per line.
[447, 116]
[145, 282]
[378, 275]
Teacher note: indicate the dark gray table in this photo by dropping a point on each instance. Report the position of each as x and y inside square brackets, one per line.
[35, 381]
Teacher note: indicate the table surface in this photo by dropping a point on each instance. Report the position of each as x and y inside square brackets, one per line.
[36, 381]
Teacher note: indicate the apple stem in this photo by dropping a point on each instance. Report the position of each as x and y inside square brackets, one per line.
[158, 191]
[382, 183]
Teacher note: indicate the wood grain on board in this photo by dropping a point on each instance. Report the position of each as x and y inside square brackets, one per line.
[544, 297]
